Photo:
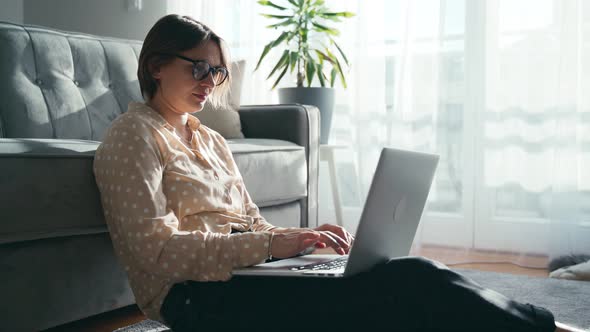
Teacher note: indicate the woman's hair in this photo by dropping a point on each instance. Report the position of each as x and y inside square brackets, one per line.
[173, 34]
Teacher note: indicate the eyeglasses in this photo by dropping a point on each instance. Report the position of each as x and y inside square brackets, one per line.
[202, 68]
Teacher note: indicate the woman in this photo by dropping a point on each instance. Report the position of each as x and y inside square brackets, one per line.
[181, 219]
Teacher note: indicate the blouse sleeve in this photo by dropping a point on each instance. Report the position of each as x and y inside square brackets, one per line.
[129, 169]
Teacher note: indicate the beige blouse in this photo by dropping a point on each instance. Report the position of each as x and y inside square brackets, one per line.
[174, 212]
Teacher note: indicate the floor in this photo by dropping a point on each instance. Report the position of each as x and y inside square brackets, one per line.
[480, 260]
[532, 265]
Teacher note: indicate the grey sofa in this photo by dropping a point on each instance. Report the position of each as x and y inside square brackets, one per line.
[59, 93]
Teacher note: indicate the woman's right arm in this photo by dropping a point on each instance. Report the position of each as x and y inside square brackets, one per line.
[129, 168]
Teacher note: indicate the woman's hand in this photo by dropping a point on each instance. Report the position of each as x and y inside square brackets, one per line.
[291, 243]
[288, 242]
[336, 237]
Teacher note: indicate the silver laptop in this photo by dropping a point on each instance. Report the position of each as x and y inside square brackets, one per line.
[388, 224]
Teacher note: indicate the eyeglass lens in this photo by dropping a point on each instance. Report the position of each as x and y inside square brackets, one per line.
[202, 69]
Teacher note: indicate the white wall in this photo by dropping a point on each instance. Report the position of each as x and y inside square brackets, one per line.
[99, 17]
[11, 11]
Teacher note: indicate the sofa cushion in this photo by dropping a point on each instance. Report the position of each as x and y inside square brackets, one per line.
[262, 159]
[64, 85]
[48, 188]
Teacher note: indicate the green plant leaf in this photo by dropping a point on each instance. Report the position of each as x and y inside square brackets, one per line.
[285, 22]
[282, 62]
[309, 20]
[277, 16]
[309, 70]
[320, 57]
[341, 52]
[320, 70]
[270, 45]
[323, 56]
[293, 60]
[323, 28]
[280, 77]
[268, 3]
[339, 14]
[311, 14]
[294, 3]
[279, 40]
[331, 18]
[303, 34]
[336, 64]
[333, 74]
[264, 53]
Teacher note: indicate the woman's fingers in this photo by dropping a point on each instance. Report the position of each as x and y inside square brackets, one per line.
[349, 238]
[308, 239]
[290, 244]
[334, 241]
[339, 239]
[338, 230]
[320, 245]
[346, 235]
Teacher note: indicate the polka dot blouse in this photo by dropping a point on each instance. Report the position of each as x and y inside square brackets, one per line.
[174, 211]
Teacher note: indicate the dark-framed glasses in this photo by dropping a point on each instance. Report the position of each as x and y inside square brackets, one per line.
[202, 68]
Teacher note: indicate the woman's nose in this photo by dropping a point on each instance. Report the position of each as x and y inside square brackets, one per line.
[208, 80]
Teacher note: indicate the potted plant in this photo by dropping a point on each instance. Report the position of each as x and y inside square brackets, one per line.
[309, 48]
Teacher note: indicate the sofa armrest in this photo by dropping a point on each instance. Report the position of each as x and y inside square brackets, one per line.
[295, 123]
[2, 131]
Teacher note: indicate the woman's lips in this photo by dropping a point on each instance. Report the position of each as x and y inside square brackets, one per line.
[199, 96]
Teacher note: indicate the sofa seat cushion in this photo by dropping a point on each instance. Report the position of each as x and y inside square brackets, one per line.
[283, 162]
[48, 148]
[48, 188]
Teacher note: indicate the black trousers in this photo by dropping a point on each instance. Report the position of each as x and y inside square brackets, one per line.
[405, 294]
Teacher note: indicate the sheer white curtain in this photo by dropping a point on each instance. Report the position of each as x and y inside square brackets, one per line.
[498, 88]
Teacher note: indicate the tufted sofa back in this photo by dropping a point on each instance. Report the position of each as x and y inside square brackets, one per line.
[58, 84]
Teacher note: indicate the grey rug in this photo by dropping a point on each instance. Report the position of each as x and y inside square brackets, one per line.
[568, 300]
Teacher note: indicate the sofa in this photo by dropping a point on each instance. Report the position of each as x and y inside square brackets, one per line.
[60, 91]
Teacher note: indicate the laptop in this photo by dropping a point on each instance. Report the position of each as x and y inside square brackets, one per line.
[388, 224]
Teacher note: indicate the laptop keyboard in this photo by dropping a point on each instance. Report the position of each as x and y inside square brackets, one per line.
[335, 264]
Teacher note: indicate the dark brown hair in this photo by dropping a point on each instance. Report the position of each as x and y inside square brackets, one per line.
[173, 34]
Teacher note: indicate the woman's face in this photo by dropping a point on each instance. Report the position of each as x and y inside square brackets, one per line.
[177, 86]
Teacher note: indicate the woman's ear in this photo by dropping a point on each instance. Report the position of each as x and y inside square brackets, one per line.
[154, 70]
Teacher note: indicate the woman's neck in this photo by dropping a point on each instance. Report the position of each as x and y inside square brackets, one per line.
[174, 117]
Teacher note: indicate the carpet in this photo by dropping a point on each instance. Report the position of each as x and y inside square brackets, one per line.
[568, 300]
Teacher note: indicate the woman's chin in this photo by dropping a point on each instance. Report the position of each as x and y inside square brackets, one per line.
[197, 106]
